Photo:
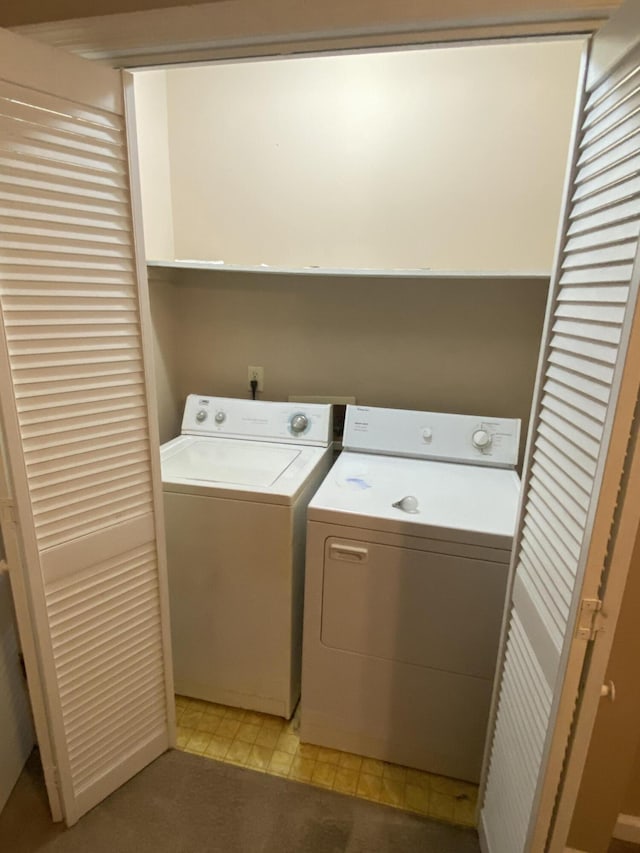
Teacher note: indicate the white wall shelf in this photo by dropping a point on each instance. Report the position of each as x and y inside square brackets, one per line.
[264, 269]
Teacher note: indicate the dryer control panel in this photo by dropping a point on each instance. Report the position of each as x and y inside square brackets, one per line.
[258, 420]
[472, 439]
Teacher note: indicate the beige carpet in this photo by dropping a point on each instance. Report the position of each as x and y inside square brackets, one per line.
[187, 804]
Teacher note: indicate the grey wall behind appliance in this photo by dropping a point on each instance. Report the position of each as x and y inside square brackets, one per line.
[165, 355]
[457, 345]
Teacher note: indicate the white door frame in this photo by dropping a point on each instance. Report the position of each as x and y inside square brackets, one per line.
[249, 29]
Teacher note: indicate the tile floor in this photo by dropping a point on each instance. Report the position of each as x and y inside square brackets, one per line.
[271, 745]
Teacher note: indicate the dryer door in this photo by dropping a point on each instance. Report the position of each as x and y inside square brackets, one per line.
[417, 607]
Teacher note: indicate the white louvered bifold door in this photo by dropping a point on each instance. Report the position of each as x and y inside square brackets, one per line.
[582, 419]
[78, 419]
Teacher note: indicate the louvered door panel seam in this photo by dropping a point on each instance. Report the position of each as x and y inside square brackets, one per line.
[585, 334]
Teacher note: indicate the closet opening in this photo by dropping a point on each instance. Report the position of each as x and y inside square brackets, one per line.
[376, 228]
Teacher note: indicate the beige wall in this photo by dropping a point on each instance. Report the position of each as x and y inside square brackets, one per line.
[611, 779]
[155, 176]
[442, 345]
[446, 159]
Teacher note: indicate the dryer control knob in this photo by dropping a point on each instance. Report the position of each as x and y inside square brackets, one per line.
[298, 423]
[220, 417]
[481, 439]
[201, 416]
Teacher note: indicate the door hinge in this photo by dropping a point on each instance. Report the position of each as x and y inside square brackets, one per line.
[590, 618]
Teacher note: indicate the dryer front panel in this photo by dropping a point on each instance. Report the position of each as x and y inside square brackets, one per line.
[416, 607]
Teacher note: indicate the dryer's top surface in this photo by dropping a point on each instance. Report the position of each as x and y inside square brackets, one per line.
[203, 465]
[420, 497]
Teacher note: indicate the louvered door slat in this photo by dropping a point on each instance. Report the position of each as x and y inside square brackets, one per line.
[108, 653]
[42, 212]
[15, 196]
[81, 692]
[46, 168]
[39, 131]
[59, 247]
[620, 252]
[562, 386]
[586, 337]
[38, 257]
[610, 274]
[623, 170]
[556, 544]
[607, 142]
[610, 216]
[31, 228]
[629, 87]
[588, 423]
[539, 593]
[540, 553]
[609, 236]
[600, 313]
[78, 409]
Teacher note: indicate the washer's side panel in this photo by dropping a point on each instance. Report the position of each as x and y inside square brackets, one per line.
[299, 532]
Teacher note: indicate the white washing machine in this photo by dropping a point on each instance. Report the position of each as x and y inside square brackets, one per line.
[408, 546]
[236, 485]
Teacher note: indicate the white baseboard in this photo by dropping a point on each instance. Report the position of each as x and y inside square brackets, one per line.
[627, 828]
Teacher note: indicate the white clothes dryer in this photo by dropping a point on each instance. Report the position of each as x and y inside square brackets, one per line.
[236, 485]
[408, 546]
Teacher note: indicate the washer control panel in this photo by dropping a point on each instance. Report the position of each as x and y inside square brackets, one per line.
[258, 420]
[433, 435]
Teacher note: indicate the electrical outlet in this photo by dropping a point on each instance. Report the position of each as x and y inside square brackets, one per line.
[256, 373]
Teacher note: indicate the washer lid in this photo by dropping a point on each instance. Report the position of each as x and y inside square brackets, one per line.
[238, 463]
[242, 470]
[446, 500]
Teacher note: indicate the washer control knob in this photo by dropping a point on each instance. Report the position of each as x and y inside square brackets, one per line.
[427, 435]
[201, 416]
[481, 439]
[298, 423]
[220, 417]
